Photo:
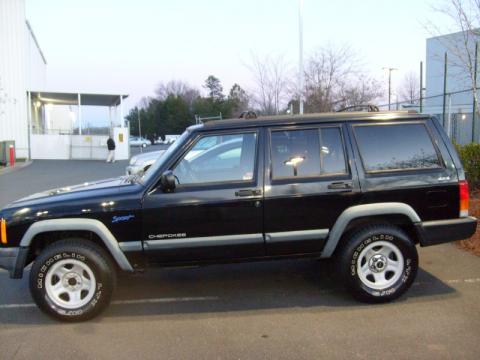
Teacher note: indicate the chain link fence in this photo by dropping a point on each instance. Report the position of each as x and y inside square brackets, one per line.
[454, 111]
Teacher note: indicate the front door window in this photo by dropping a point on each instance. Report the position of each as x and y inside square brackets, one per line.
[218, 158]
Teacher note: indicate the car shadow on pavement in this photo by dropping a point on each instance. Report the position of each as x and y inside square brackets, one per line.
[259, 286]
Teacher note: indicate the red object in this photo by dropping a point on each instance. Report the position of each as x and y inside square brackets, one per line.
[464, 197]
[12, 156]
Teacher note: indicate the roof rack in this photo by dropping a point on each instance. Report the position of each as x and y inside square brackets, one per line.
[315, 118]
[367, 107]
[248, 115]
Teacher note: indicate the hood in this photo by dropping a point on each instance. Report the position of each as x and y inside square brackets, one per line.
[107, 184]
[153, 155]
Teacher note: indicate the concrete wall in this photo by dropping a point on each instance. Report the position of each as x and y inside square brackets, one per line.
[78, 147]
[50, 146]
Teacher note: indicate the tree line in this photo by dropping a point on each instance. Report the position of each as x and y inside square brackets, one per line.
[334, 79]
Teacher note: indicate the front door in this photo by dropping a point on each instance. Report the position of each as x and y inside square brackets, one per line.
[309, 183]
[215, 211]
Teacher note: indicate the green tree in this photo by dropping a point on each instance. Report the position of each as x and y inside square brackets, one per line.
[172, 115]
[239, 100]
[214, 87]
[148, 127]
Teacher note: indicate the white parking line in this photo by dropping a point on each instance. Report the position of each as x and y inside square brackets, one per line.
[164, 300]
[452, 281]
[212, 298]
[129, 302]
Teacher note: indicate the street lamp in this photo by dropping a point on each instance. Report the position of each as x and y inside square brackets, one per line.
[139, 128]
[301, 74]
[389, 84]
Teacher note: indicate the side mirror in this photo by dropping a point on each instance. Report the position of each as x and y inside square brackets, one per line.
[167, 181]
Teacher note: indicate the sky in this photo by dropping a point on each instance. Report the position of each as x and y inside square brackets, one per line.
[130, 47]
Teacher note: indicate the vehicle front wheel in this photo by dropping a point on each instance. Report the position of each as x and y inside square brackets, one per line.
[378, 263]
[72, 280]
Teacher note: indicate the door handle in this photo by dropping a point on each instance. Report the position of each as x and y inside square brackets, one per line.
[248, 192]
[341, 185]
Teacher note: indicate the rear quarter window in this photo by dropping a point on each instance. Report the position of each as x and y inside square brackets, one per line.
[396, 147]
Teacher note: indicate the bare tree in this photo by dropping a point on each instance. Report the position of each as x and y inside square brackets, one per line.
[409, 89]
[364, 90]
[177, 88]
[271, 76]
[334, 79]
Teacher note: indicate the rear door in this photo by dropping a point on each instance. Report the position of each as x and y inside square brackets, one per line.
[309, 181]
[405, 161]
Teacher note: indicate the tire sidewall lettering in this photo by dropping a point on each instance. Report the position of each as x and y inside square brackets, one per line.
[406, 274]
[40, 285]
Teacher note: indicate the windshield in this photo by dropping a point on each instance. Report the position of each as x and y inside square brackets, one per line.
[158, 163]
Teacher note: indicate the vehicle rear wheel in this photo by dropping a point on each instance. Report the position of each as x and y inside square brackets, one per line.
[378, 263]
[72, 280]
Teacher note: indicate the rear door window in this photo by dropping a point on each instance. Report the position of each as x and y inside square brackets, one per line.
[307, 153]
[396, 147]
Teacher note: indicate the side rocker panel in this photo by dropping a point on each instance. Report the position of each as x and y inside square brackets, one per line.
[361, 211]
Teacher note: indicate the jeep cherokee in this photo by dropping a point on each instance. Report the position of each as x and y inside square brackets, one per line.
[365, 188]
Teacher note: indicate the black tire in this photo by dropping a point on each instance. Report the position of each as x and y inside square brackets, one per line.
[84, 253]
[354, 253]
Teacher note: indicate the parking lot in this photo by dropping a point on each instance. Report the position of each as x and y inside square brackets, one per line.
[267, 310]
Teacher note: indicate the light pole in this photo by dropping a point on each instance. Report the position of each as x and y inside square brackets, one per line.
[389, 84]
[139, 128]
[301, 74]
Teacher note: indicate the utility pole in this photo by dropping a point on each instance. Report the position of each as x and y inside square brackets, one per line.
[474, 92]
[421, 86]
[445, 74]
[301, 74]
[389, 85]
[139, 128]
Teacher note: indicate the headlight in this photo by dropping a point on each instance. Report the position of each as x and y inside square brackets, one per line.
[133, 160]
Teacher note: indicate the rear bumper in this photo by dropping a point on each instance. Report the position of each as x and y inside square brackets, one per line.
[442, 231]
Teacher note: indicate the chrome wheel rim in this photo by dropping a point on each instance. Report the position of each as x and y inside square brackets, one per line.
[380, 265]
[70, 284]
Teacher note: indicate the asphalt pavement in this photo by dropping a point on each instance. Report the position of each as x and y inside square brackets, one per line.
[267, 310]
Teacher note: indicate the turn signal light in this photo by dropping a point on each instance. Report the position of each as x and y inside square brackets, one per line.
[464, 198]
[3, 231]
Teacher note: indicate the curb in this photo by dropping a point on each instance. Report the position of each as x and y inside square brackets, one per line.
[8, 170]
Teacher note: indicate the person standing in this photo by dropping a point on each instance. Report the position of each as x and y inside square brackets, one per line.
[111, 150]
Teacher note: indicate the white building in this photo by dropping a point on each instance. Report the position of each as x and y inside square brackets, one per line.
[22, 66]
[459, 98]
[43, 123]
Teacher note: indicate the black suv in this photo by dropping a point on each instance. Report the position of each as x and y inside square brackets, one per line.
[365, 188]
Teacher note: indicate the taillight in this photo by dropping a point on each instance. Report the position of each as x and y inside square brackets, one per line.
[3, 231]
[464, 197]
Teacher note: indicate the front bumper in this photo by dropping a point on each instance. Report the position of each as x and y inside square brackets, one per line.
[442, 231]
[8, 258]
[14, 260]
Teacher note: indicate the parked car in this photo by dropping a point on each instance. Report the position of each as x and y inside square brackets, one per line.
[169, 139]
[139, 141]
[142, 162]
[362, 188]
